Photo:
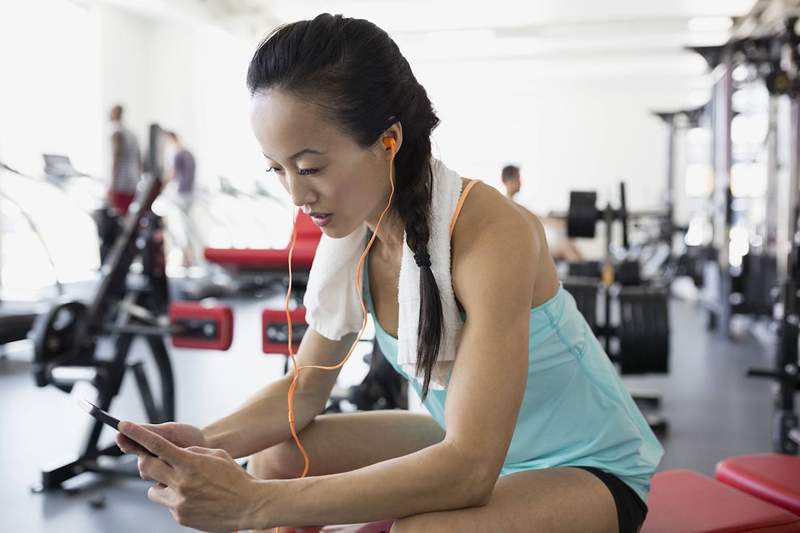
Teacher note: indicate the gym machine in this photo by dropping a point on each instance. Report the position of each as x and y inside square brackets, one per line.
[777, 58]
[690, 259]
[131, 301]
[768, 55]
[786, 424]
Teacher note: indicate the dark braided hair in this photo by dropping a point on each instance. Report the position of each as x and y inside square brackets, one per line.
[357, 76]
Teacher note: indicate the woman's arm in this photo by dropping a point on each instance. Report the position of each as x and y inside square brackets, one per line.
[262, 421]
[493, 279]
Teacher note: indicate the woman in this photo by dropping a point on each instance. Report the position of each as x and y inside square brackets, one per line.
[531, 429]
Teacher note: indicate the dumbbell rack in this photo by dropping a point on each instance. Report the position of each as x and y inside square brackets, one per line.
[644, 321]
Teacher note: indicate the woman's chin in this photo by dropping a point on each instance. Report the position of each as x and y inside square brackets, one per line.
[332, 231]
[338, 231]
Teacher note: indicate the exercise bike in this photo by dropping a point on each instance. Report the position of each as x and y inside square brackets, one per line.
[90, 342]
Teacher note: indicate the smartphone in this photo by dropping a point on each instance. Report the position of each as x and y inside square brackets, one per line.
[102, 416]
[99, 414]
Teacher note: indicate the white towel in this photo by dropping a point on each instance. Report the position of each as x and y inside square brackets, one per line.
[332, 301]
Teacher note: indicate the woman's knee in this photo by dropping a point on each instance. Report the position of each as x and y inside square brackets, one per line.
[282, 461]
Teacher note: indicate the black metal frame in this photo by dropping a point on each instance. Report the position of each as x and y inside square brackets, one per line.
[786, 426]
[108, 315]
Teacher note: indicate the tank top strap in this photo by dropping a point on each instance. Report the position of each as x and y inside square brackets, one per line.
[461, 200]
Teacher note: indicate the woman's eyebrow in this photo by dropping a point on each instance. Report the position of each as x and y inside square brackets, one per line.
[302, 152]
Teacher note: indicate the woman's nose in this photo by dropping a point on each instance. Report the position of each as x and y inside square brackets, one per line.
[300, 191]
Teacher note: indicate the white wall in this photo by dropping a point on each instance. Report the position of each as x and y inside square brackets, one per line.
[49, 82]
[565, 133]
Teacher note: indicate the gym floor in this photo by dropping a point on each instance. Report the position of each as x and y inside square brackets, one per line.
[714, 411]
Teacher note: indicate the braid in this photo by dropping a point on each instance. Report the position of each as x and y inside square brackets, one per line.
[413, 203]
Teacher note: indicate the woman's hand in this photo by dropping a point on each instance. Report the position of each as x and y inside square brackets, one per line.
[202, 488]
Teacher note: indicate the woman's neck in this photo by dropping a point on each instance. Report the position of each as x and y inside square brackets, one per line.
[389, 235]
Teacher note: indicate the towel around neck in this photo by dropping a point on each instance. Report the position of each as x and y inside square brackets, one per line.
[332, 301]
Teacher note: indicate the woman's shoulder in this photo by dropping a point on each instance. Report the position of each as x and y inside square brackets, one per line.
[487, 210]
[492, 247]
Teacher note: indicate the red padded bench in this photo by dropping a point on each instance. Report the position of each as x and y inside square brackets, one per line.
[772, 477]
[263, 259]
[682, 501]
[306, 242]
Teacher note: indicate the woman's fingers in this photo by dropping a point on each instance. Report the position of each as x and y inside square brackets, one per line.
[128, 446]
[154, 469]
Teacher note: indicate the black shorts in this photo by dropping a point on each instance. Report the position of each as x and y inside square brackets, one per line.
[631, 510]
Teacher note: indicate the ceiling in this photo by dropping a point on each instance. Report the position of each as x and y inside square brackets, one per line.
[509, 28]
[620, 36]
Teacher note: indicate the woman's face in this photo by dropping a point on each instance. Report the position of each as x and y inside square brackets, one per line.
[328, 175]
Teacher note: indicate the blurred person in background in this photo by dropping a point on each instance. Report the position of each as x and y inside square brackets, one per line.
[561, 248]
[126, 163]
[182, 170]
[179, 181]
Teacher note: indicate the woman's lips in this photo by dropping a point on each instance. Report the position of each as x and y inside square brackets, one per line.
[321, 219]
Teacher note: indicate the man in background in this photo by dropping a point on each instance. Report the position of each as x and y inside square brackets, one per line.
[511, 181]
[126, 163]
[560, 246]
[182, 169]
[180, 182]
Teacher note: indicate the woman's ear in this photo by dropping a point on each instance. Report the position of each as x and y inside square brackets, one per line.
[393, 133]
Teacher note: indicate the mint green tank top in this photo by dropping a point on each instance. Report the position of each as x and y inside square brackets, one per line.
[575, 412]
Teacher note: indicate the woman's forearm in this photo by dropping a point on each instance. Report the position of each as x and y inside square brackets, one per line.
[262, 421]
[436, 478]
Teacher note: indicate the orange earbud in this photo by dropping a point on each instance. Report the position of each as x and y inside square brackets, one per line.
[389, 143]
